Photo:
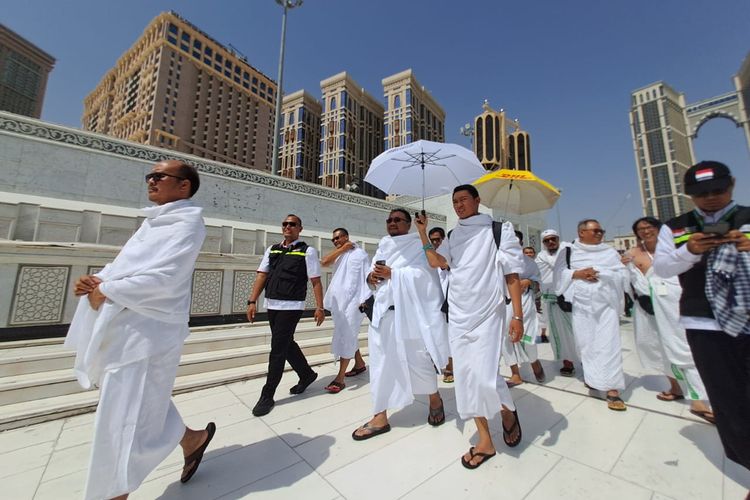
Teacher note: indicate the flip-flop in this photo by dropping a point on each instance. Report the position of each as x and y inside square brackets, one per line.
[567, 371]
[437, 415]
[669, 396]
[448, 377]
[472, 453]
[615, 403]
[541, 376]
[335, 387]
[507, 433]
[355, 371]
[373, 431]
[705, 415]
[512, 384]
[195, 457]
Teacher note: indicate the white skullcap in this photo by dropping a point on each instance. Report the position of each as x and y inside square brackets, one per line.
[549, 232]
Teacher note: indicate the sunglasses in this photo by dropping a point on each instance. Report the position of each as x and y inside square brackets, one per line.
[596, 231]
[289, 224]
[436, 240]
[335, 239]
[158, 176]
[549, 240]
[395, 219]
[714, 192]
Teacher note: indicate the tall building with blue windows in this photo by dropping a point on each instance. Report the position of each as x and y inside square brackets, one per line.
[411, 113]
[300, 136]
[351, 135]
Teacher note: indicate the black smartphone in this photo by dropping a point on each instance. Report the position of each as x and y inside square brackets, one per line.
[718, 228]
[379, 262]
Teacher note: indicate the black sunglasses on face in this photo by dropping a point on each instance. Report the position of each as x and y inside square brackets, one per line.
[158, 176]
[335, 239]
[288, 223]
[549, 240]
[394, 219]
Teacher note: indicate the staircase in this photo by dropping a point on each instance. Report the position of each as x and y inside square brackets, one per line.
[37, 383]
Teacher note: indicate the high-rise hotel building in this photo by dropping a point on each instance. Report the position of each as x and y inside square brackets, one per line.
[411, 113]
[663, 149]
[351, 135]
[24, 69]
[499, 142]
[180, 89]
[300, 136]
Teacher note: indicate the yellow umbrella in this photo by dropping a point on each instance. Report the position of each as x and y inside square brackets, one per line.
[516, 191]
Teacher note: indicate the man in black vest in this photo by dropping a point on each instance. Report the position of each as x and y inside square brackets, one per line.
[723, 360]
[283, 273]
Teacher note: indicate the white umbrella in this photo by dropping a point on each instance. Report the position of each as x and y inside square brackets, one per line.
[424, 168]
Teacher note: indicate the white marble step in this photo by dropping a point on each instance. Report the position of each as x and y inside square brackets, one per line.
[41, 410]
[50, 356]
[48, 384]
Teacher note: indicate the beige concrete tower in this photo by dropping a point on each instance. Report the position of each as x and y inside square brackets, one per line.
[180, 89]
[663, 149]
[499, 142]
[351, 134]
[300, 133]
[411, 112]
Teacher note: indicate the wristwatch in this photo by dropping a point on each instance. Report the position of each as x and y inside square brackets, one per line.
[519, 318]
[250, 302]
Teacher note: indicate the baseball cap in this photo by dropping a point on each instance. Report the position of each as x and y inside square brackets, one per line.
[549, 232]
[707, 176]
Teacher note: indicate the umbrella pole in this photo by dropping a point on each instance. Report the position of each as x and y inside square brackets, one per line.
[507, 200]
[423, 189]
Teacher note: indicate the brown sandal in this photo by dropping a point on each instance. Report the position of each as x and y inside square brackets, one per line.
[194, 460]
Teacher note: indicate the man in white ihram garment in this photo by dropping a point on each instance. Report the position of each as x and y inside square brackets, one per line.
[128, 332]
[525, 350]
[559, 323]
[407, 337]
[595, 284]
[484, 269]
[660, 341]
[345, 298]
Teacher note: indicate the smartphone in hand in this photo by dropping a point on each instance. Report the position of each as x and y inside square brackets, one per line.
[717, 229]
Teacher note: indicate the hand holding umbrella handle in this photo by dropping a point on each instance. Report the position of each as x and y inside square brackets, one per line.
[421, 221]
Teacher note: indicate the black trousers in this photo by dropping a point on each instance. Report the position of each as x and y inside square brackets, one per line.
[723, 362]
[283, 349]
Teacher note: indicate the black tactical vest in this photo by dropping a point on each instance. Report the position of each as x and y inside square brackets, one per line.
[693, 301]
[287, 279]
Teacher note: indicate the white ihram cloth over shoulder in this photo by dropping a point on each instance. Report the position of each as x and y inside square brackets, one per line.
[647, 343]
[596, 311]
[406, 341]
[346, 291]
[525, 350]
[476, 312]
[673, 348]
[131, 347]
[559, 323]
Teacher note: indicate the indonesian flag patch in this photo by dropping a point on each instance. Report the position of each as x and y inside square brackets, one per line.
[676, 233]
[704, 175]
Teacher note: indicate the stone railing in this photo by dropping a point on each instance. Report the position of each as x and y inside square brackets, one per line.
[40, 279]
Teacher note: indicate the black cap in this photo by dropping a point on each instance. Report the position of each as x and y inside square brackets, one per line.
[707, 176]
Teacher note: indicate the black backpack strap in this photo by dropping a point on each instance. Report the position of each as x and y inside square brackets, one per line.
[568, 251]
[497, 232]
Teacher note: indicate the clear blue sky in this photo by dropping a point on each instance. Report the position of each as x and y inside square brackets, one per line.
[564, 68]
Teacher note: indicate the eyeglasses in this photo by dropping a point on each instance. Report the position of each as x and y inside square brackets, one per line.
[643, 228]
[714, 192]
[395, 219]
[158, 176]
[336, 238]
[436, 241]
[549, 240]
[596, 231]
[288, 223]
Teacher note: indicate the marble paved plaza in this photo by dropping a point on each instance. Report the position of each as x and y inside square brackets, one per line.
[573, 448]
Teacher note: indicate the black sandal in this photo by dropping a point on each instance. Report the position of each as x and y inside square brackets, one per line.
[194, 460]
[437, 415]
[472, 453]
[507, 433]
[371, 431]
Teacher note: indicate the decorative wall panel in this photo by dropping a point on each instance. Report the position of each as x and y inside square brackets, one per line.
[206, 292]
[39, 295]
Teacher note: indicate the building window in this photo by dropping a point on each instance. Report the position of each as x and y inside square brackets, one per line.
[332, 104]
[172, 28]
[396, 101]
[662, 186]
[186, 37]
